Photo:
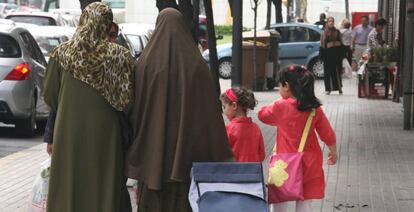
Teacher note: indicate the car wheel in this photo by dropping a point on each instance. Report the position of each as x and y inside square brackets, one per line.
[225, 68]
[316, 66]
[26, 127]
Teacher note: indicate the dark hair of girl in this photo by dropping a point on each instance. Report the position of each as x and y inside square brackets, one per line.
[245, 98]
[301, 85]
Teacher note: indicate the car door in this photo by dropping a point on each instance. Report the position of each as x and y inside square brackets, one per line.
[38, 66]
[296, 45]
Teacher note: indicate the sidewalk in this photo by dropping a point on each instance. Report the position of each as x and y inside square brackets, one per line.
[375, 170]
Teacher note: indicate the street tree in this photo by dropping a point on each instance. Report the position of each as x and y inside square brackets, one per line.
[278, 12]
[254, 5]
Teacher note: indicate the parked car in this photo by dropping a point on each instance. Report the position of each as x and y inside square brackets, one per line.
[299, 44]
[38, 18]
[48, 37]
[22, 69]
[70, 16]
[6, 8]
[138, 35]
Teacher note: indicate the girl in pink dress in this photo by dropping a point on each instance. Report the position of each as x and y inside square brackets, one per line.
[244, 135]
[289, 115]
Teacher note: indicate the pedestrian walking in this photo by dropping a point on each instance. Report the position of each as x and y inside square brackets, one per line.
[289, 115]
[375, 39]
[331, 54]
[176, 117]
[322, 21]
[360, 38]
[346, 35]
[88, 83]
[244, 135]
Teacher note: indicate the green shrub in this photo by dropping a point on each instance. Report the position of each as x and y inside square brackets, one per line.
[226, 29]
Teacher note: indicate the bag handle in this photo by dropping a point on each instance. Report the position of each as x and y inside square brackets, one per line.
[305, 132]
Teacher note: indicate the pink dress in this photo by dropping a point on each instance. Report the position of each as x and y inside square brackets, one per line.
[290, 123]
[246, 140]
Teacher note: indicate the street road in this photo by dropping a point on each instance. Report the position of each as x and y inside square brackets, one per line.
[10, 142]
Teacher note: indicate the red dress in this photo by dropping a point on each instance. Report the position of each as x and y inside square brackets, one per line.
[246, 140]
[290, 123]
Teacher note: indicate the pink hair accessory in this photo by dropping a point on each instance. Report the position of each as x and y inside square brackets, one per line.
[231, 95]
[292, 68]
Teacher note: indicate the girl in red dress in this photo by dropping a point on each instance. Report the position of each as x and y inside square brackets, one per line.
[289, 115]
[244, 135]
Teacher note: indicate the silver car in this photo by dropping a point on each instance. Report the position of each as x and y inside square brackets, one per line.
[48, 37]
[22, 69]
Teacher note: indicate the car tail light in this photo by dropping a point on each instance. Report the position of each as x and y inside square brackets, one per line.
[19, 73]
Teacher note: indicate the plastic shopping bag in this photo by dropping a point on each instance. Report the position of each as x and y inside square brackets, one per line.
[347, 69]
[38, 197]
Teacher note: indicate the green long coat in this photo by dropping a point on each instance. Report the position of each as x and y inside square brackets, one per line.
[86, 170]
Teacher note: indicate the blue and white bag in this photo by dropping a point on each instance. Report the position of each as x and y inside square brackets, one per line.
[223, 187]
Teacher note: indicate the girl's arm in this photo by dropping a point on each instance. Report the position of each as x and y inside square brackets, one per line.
[270, 114]
[328, 136]
[332, 157]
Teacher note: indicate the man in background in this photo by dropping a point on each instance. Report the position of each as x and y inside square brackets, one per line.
[322, 21]
[360, 38]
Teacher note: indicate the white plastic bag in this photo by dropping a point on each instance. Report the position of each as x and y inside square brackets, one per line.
[347, 69]
[38, 197]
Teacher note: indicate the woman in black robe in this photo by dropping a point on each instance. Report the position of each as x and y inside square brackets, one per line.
[331, 53]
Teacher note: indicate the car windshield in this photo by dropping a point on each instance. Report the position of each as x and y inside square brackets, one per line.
[9, 47]
[38, 20]
[136, 42]
[9, 7]
[47, 44]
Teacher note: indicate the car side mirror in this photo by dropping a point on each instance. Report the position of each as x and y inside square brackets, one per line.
[219, 37]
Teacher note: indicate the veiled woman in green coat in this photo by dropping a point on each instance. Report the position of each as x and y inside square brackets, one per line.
[88, 83]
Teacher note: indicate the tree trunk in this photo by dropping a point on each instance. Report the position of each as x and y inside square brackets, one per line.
[255, 45]
[236, 69]
[278, 9]
[269, 13]
[85, 3]
[289, 13]
[304, 7]
[298, 8]
[347, 9]
[212, 46]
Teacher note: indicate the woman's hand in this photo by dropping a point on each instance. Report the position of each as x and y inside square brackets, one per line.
[49, 149]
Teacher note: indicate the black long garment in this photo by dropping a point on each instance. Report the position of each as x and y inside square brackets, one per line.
[333, 68]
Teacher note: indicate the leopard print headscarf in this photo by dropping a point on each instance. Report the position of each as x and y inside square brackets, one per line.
[90, 58]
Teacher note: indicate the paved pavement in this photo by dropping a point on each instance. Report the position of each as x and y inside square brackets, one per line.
[375, 170]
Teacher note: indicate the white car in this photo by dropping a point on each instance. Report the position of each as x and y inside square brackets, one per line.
[37, 18]
[6, 8]
[138, 35]
[70, 16]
